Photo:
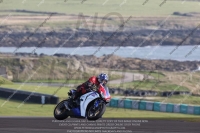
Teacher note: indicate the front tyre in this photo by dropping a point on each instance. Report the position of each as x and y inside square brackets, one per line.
[60, 112]
[95, 113]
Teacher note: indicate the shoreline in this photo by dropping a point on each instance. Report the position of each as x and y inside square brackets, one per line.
[181, 54]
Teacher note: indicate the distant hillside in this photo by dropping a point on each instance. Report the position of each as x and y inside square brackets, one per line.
[49, 68]
[45, 68]
[120, 63]
[81, 67]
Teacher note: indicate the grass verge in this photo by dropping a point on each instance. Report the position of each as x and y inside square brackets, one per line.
[152, 85]
[134, 8]
[10, 109]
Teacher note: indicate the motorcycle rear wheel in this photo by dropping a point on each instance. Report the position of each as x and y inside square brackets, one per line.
[60, 112]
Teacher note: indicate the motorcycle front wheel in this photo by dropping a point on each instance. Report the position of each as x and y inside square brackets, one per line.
[60, 112]
[94, 113]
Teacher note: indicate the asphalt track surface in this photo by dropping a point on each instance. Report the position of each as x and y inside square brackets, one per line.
[50, 125]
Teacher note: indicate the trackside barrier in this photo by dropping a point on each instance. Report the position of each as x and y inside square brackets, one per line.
[170, 107]
[197, 110]
[114, 103]
[190, 109]
[142, 105]
[149, 105]
[121, 103]
[183, 108]
[29, 97]
[128, 104]
[154, 106]
[163, 107]
[176, 108]
[135, 104]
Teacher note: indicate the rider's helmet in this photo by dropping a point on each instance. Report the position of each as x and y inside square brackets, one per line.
[92, 82]
[103, 78]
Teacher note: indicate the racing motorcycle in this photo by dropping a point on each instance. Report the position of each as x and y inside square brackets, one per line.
[91, 105]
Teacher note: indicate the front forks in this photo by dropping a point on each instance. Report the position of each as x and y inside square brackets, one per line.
[97, 103]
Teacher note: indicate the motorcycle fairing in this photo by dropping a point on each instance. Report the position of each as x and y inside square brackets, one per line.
[76, 111]
[85, 100]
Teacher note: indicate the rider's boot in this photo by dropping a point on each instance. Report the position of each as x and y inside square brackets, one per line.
[72, 100]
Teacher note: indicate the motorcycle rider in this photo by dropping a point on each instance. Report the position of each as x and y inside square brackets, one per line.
[93, 83]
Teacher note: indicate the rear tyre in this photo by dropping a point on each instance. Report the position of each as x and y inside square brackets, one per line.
[94, 114]
[60, 112]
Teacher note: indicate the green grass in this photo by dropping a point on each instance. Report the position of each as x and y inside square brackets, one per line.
[152, 85]
[72, 81]
[4, 81]
[134, 8]
[11, 109]
[62, 93]
[176, 99]
[192, 100]
[57, 81]
[172, 87]
[156, 75]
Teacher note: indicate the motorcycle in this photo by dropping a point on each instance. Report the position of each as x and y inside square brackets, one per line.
[91, 105]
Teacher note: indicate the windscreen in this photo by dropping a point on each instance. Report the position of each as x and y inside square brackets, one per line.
[107, 94]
